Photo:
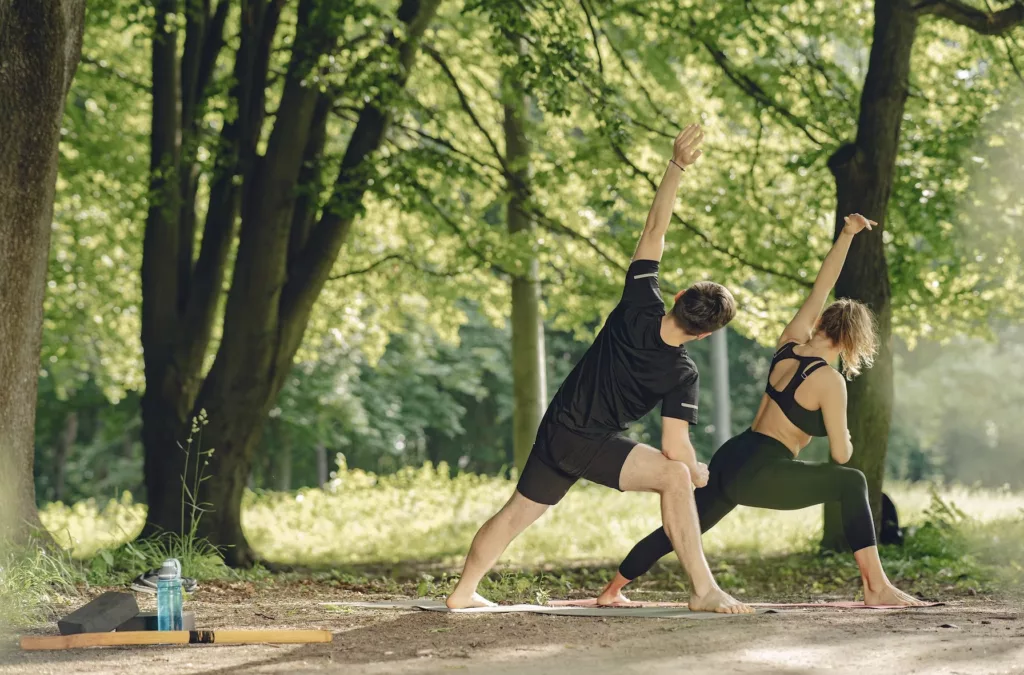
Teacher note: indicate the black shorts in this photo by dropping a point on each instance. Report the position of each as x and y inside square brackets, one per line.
[561, 457]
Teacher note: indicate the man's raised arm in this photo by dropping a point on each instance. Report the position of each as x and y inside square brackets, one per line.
[685, 152]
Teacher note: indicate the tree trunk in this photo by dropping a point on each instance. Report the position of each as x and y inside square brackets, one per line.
[864, 173]
[40, 45]
[323, 473]
[65, 442]
[278, 273]
[720, 386]
[529, 384]
[179, 299]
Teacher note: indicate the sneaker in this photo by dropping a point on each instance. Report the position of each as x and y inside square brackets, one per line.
[146, 583]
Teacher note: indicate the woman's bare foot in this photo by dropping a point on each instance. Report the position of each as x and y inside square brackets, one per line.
[718, 601]
[475, 600]
[889, 595]
[612, 593]
[609, 598]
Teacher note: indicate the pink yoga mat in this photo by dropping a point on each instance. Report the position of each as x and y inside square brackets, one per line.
[592, 602]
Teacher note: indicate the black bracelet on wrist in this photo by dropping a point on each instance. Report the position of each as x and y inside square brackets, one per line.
[681, 167]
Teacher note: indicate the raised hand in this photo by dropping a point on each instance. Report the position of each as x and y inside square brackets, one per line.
[856, 222]
[685, 150]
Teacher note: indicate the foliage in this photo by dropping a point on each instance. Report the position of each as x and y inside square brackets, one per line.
[36, 582]
[611, 86]
[958, 404]
[103, 460]
[91, 325]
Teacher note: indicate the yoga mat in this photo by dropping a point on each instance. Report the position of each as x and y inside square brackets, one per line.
[839, 605]
[663, 611]
[592, 602]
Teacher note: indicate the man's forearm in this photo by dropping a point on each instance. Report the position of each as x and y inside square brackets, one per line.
[664, 201]
[685, 454]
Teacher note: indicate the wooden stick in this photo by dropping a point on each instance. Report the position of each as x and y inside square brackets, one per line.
[176, 637]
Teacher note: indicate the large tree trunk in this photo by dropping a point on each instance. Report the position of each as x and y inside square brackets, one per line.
[40, 45]
[529, 383]
[284, 258]
[179, 295]
[864, 172]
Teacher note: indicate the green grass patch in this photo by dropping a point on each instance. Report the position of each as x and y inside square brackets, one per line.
[423, 514]
[36, 582]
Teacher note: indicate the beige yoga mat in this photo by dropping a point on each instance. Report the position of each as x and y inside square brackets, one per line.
[673, 611]
[591, 602]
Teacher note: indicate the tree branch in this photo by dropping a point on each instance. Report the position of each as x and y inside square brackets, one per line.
[464, 101]
[235, 158]
[447, 145]
[556, 226]
[212, 44]
[119, 74]
[1007, 41]
[984, 23]
[311, 268]
[398, 257]
[644, 90]
[701, 235]
[754, 90]
[593, 35]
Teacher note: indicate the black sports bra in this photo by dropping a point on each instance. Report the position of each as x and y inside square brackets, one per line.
[811, 422]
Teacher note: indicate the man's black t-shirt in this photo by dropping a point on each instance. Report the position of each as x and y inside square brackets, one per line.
[629, 369]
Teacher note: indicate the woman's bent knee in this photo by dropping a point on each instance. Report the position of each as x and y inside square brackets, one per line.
[853, 480]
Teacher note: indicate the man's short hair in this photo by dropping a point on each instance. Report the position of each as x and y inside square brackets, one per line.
[704, 308]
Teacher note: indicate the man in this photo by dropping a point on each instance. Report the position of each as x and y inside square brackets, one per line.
[636, 362]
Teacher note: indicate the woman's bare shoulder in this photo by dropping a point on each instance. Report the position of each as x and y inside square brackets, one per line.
[828, 380]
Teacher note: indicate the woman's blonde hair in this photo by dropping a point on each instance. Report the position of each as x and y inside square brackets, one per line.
[851, 326]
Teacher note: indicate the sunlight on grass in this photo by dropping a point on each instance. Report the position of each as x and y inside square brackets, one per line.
[422, 514]
[86, 527]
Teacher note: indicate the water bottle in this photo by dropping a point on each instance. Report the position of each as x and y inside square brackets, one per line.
[168, 596]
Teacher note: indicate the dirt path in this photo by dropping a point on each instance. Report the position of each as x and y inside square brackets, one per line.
[963, 638]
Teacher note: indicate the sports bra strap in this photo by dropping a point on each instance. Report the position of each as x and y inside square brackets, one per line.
[781, 351]
[817, 365]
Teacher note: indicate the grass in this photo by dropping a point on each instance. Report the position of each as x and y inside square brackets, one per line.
[406, 534]
[35, 583]
[422, 514]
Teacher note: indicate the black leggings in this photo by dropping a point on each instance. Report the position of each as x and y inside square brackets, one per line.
[756, 470]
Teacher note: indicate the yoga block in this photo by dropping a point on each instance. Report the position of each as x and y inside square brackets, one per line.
[147, 621]
[102, 615]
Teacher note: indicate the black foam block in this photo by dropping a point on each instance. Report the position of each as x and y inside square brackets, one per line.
[102, 615]
[148, 621]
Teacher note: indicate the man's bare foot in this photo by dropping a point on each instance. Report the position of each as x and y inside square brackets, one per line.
[609, 598]
[718, 601]
[891, 596]
[465, 602]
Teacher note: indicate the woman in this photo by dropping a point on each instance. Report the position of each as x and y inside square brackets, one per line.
[804, 398]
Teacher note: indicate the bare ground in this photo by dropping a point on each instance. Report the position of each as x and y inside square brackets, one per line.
[966, 636]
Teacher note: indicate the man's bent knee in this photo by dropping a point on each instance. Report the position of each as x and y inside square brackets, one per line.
[676, 477]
